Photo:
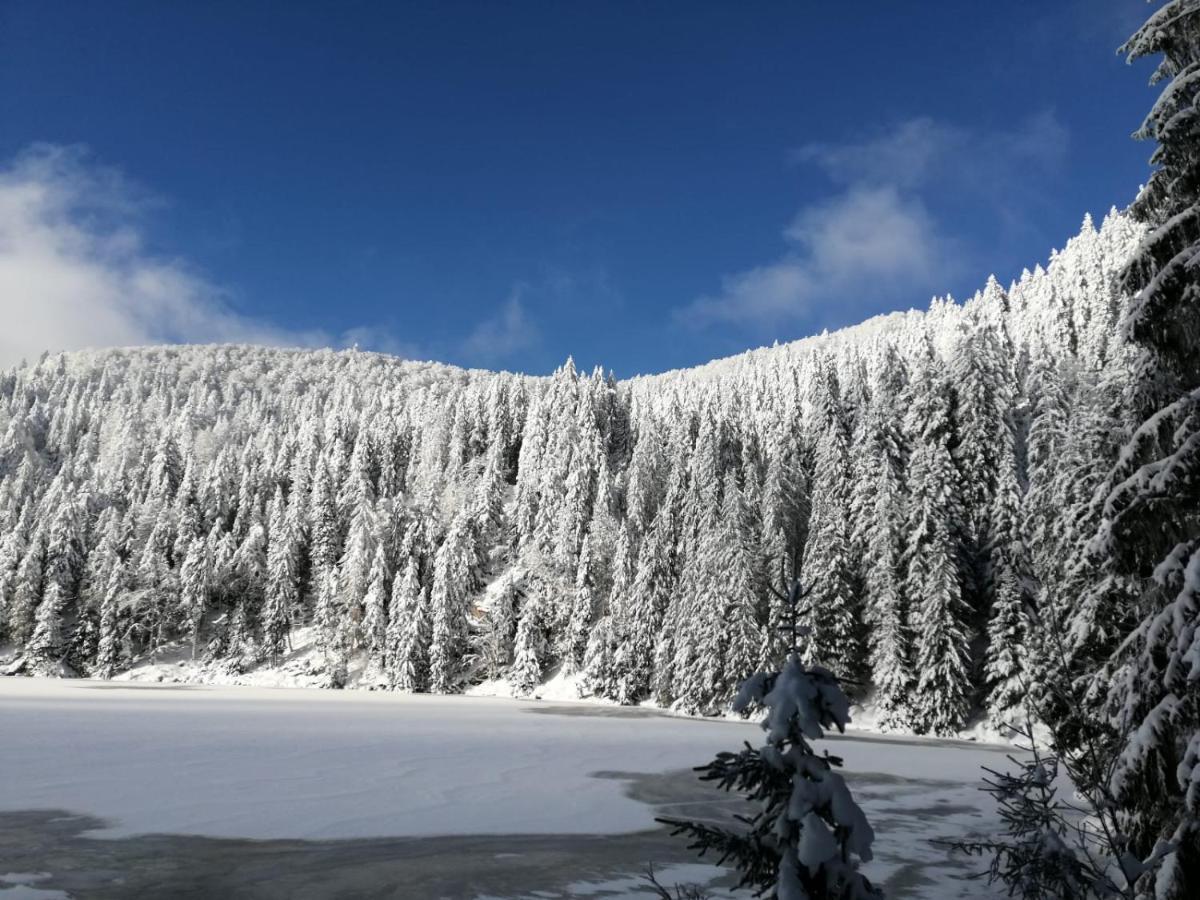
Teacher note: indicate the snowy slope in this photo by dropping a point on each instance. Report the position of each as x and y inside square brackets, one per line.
[352, 509]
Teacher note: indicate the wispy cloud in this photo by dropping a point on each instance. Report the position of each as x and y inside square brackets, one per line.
[503, 335]
[922, 152]
[76, 270]
[866, 236]
[877, 239]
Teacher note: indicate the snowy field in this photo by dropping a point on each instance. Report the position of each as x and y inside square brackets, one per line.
[277, 792]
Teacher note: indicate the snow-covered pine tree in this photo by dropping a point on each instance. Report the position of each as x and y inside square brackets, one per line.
[358, 490]
[742, 638]
[47, 644]
[882, 508]
[833, 611]
[784, 534]
[599, 662]
[488, 502]
[583, 608]
[12, 551]
[194, 578]
[249, 569]
[575, 511]
[104, 553]
[28, 584]
[1086, 596]
[156, 582]
[325, 547]
[408, 633]
[109, 652]
[1049, 422]
[283, 584]
[354, 568]
[1006, 671]
[498, 630]
[1151, 525]
[375, 615]
[939, 615]
[530, 644]
[454, 581]
[808, 837]
[640, 614]
[186, 510]
[981, 400]
[328, 618]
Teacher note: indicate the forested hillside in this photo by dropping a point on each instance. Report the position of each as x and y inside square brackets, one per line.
[929, 474]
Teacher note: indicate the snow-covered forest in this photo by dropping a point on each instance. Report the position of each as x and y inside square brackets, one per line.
[982, 515]
[930, 474]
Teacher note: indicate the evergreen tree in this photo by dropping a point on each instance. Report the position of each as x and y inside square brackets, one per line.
[194, 579]
[940, 615]
[808, 836]
[325, 549]
[888, 603]
[529, 648]
[742, 635]
[1049, 425]
[408, 632]
[453, 584]
[249, 569]
[639, 616]
[980, 412]
[12, 551]
[109, 655]
[328, 618]
[832, 610]
[1151, 528]
[583, 608]
[879, 506]
[375, 618]
[46, 647]
[599, 661]
[499, 628]
[27, 589]
[1007, 672]
[283, 583]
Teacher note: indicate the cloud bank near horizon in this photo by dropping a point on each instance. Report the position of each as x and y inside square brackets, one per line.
[76, 272]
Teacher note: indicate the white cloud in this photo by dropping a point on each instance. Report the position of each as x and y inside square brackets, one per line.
[876, 239]
[75, 271]
[903, 157]
[866, 233]
[923, 152]
[506, 333]
[850, 246]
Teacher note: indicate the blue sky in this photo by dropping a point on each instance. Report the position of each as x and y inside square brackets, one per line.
[641, 185]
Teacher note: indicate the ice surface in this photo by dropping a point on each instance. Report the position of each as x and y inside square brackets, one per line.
[259, 762]
[246, 762]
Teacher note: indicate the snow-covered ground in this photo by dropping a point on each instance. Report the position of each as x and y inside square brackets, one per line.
[304, 666]
[270, 764]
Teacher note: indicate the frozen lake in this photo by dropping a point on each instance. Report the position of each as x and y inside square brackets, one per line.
[117, 789]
